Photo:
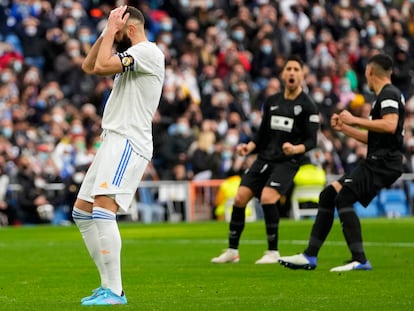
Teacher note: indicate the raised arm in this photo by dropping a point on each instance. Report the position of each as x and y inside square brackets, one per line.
[100, 59]
[88, 64]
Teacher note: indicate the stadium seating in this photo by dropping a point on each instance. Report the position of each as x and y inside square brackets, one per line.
[372, 210]
[394, 202]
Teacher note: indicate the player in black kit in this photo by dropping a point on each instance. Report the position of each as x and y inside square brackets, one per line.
[383, 135]
[288, 129]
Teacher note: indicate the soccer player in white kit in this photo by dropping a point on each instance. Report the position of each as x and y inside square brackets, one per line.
[126, 148]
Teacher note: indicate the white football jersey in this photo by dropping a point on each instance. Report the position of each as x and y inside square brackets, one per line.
[135, 96]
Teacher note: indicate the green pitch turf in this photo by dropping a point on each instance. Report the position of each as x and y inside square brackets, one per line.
[167, 267]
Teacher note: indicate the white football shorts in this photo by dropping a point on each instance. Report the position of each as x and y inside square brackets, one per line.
[116, 171]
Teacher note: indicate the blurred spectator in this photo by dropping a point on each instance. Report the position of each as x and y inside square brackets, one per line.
[32, 201]
[263, 64]
[8, 213]
[326, 99]
[32, 34]
[205, 160]
[180, 138]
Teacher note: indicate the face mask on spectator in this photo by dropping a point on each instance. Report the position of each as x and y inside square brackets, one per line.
[70, 29]
[266, 49]
[345, 22]
[324, 50]
[84, 38]
[292, 36]
[222, 24]
[31, 77]
[371, 30]
[255, 119]
[166, 26]
[185, 3]
[182, 129]
[76, 130]
[76, 14]
[7, 132]
[169, 96]
[5, 77]
[31, 30]
[379, 44]
[43, 156]
[232, 140]
[17, 66]
[345, 88]
[238, 35]
[326, 86]
[166, 39]
[226, 154]
[318, 97]
[74, 53]
[57, 118]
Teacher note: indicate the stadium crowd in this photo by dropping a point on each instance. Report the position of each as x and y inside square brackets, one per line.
[222, 60]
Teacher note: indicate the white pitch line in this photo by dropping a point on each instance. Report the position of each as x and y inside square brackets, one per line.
[254, 242]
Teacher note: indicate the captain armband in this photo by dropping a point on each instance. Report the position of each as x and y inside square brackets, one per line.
[127, 61]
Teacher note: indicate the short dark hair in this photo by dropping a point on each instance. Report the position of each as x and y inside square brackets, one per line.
[294, 58]
[135, 14]
[384, 61]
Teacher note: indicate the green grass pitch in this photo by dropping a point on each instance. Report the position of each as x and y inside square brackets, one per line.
[167, 267]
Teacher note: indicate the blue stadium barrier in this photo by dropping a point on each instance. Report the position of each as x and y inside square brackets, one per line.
[372, 210]
[394, 202]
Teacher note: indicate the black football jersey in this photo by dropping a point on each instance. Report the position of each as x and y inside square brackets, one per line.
[389, 100]
[284, 120]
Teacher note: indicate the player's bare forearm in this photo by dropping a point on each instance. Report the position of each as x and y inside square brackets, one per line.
[290, 149]
[358, 134]
[88, 64]
[246, 149]
[104, 54]
[387, 124]
[107, 63]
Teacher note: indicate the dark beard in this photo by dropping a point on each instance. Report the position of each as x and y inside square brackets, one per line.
[124, 44]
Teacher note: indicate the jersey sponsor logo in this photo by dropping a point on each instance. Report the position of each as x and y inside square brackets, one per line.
[274, 184]
[314, 118]
[389, 103]
[280, 123]
[297, 110]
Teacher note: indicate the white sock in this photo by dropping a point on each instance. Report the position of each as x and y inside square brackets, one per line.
[110, 242]
[90, 235]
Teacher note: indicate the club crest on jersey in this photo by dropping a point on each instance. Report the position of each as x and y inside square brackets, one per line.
[127, 61]
[297, 110]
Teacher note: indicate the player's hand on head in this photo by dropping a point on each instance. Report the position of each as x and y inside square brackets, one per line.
[117, 19]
